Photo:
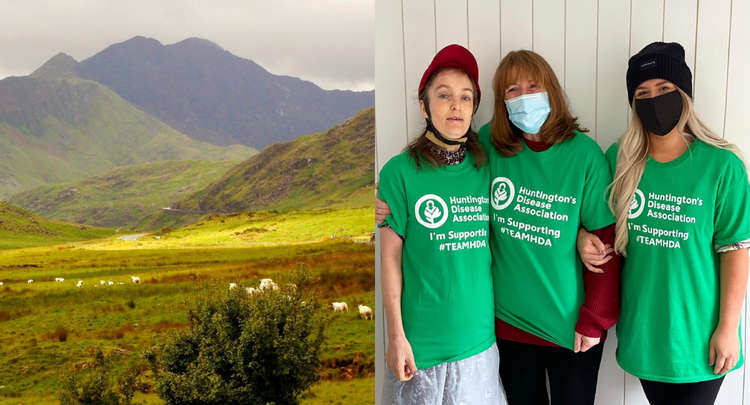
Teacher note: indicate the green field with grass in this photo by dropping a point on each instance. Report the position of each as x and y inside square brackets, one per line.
[49, 329]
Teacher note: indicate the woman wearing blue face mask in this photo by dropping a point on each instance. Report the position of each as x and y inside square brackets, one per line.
[548, 179]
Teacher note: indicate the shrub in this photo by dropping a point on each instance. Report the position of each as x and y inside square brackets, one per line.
[244, 349]
[99, 384]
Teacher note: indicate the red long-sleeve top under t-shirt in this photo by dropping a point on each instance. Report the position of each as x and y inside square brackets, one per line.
[600, 308]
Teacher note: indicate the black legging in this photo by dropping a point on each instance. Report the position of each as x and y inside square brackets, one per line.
[572, 376]
[700, 393]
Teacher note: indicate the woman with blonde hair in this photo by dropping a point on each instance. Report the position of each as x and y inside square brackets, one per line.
[681, 197]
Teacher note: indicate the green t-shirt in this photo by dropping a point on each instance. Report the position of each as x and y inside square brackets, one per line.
[442, 214]
[670, 277]
[538, 202]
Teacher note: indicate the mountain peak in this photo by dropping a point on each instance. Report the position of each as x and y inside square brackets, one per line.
[60, 65]
[198, 43]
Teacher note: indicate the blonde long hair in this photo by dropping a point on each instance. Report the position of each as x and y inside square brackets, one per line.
[632, 155]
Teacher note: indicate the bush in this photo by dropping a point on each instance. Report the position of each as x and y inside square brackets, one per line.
[244, 349]
[99, 384]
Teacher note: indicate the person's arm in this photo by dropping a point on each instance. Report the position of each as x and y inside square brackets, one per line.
[398, 356]
[724, 347]
[601, 306]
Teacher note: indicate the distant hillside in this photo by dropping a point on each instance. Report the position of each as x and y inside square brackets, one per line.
[214, 96]
[331, 168]
[20, 228]
[124, 197]
[56, 127]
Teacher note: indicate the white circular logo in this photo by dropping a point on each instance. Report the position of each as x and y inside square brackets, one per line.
[431, 211]
[637, 204]
[502, 192]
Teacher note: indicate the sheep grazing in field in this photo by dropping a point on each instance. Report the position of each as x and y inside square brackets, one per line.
[110, 282]
[252, 291]
[79, 283]
[267, 283]
[102, 282]
[30, 281]
[365, 312]
[340, 307]
[136, 280]
[232, 286]
[59, 279]
[1, 283]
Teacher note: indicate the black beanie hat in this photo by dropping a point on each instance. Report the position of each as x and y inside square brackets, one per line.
[662, 60]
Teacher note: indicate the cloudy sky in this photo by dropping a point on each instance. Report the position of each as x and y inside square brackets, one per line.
[329, 42]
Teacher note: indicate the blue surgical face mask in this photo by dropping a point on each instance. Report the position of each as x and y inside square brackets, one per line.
[529, 111]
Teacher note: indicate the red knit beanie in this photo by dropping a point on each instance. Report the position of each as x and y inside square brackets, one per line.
[453, 56]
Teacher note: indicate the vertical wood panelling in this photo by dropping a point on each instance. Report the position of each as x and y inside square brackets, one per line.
[515, 25]
[612, 57]
[580, 58]
[390, 135]
[711, 62]
[549, 34]
[451, 23]
[736, 130]
[646, 23]
[419, 48]
[484, 43]
[587, 42]
[679, 26]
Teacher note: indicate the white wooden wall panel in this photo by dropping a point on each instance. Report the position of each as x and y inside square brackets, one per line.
[484, 41]
[451, 23]
[587, 42]
[549, 34]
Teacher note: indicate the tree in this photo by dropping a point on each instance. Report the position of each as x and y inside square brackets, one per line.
[244, 349]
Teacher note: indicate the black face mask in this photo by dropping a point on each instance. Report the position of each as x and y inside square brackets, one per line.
[661, 113]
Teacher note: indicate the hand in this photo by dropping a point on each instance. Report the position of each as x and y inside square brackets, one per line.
[724, 350]
[593, 252]
[584, 343]
[400, 359]
[382, 210]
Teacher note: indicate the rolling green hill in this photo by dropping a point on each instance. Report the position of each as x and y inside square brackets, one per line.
[123, 197]
[56, 127]
[21, 229]
[334, 168]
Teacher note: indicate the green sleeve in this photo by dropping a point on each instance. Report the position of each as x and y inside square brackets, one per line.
[732, 211]
[392, 190]
[595, 213]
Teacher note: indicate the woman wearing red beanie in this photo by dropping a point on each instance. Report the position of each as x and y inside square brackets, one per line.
[681, 196]
[436, 279]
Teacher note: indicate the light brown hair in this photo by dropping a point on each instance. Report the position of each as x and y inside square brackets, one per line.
[419, 148]
[560, 124]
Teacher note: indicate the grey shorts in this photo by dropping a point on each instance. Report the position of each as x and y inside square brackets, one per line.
[471, 381]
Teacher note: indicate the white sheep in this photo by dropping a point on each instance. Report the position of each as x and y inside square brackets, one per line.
[136, 280]
[252, 291]
[102, 282]
[365, 312]
[79, 283]
[267, 283]
[29, 281]
[232, 286]
[1, 283]
[59, 279]
[110, 282]
[340, 307]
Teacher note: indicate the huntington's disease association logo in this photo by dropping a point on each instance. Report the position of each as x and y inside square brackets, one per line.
[637, 204]
[431, 211]
[502, 193]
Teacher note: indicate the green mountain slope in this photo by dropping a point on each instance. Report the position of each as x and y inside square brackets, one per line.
[56, 127]
[20, 229]
[123, 197]
[331, 168]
